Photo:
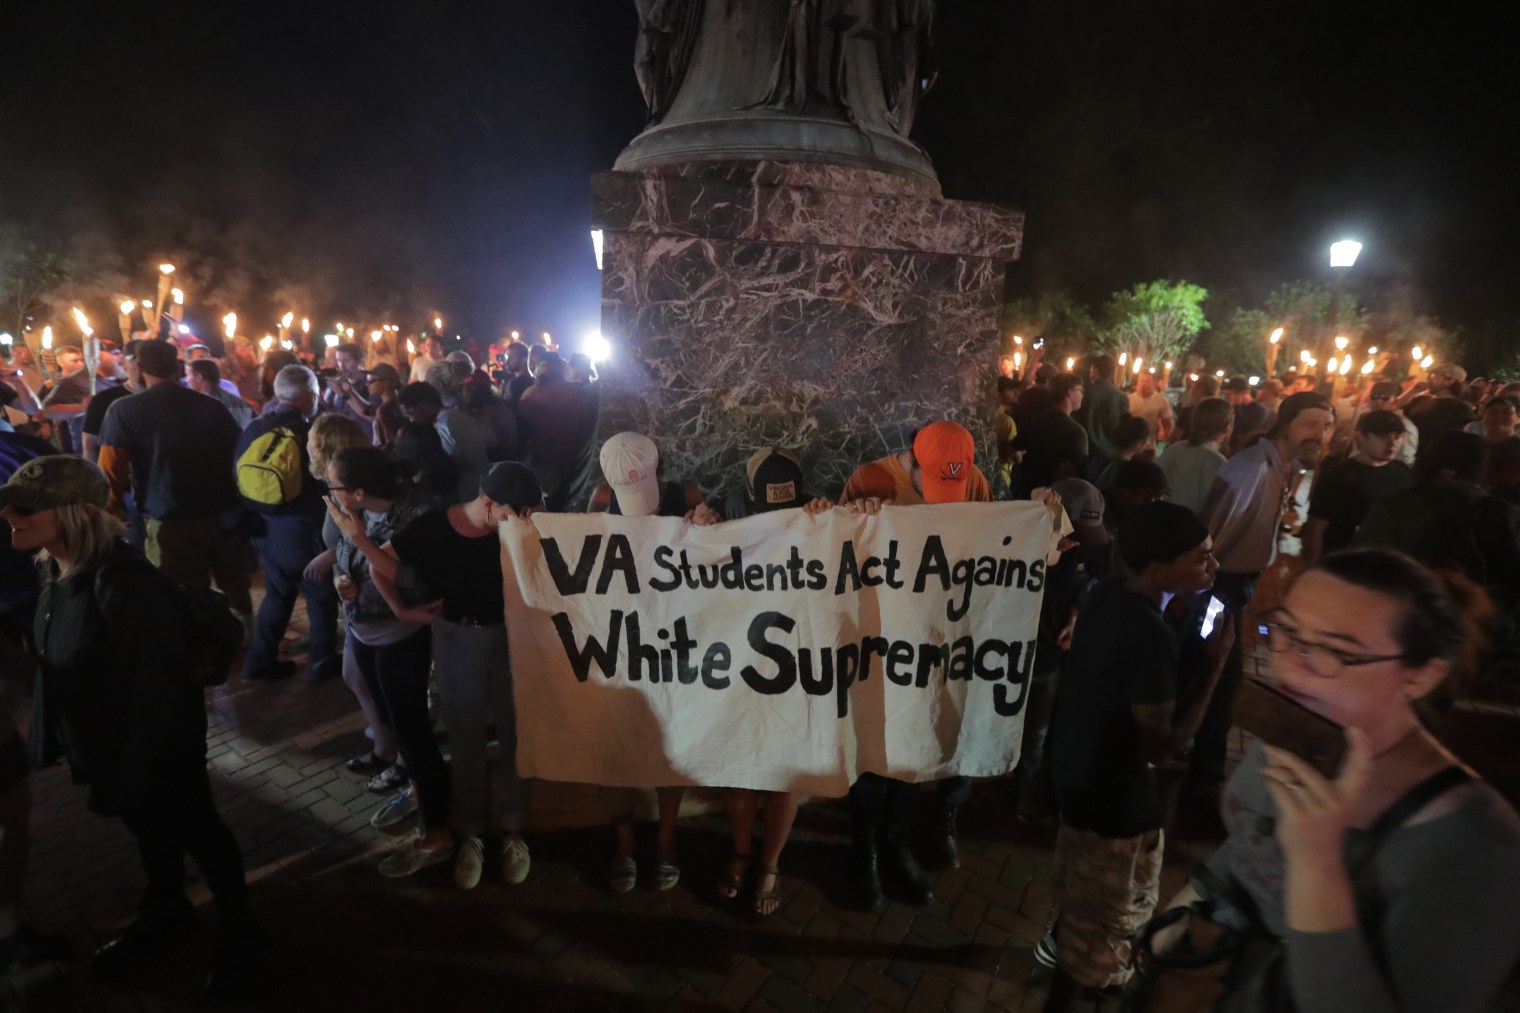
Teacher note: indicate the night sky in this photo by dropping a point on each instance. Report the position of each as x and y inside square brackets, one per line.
[386, 161]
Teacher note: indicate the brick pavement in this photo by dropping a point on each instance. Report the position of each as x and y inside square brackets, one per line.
[346, 938]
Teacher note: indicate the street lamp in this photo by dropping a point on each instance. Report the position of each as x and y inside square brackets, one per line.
[1343, 254]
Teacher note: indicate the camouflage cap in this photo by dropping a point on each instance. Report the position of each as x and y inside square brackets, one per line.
[53, 481]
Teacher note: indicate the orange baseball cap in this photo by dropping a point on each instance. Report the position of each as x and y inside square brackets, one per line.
[945, 452]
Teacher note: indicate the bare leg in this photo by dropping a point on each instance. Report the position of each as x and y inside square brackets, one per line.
[624, 845]
[670, 807]
[776, 825]
[741, 804]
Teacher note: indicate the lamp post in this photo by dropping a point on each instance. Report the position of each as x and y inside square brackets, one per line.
[1343, 256]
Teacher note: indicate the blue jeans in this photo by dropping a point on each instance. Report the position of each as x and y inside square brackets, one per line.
[289, 543]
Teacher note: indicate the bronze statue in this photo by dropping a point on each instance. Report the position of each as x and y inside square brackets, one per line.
[667, 37]
[902, 51]
[805, 70]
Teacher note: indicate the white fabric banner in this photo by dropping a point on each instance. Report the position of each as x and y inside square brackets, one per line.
[782, 651]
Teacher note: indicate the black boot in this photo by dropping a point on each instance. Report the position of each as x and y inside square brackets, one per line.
[867, 875]
[146, 937]
[940, 851]
[906, 874]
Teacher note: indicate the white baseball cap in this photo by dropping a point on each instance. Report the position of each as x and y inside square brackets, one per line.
[629, 462]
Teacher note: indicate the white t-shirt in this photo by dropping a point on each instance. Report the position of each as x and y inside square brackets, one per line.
[420, 367]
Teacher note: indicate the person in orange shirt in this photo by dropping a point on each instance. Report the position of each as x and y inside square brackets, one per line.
[937, 469]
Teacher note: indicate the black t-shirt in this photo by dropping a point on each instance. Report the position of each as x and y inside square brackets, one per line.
[1123, 654]
[95, 414]
[181, 444]
[1051, 441]
[1345, 493]
[464, 571]
[1504, 469]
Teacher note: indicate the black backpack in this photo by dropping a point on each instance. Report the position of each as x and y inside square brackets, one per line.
[213, 632]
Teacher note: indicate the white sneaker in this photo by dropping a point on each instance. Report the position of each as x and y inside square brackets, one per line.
[515, 862]
[393, 810]
[412, 857]
[469, 864]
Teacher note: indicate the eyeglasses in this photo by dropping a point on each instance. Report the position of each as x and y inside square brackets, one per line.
[1321, 659]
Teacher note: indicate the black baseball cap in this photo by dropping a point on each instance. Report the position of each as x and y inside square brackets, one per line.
[512, 484]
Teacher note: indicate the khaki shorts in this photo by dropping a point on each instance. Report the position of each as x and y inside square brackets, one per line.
[1106, 890]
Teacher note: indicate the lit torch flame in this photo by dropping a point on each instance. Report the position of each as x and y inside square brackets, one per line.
[286, 319]
[166, 268]
[229, 323]
[179, 296]
[266, 342]
[82, 321]
[127, 306]
[47, 338]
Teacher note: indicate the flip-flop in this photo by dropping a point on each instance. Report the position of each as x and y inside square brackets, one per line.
[624, 875]
[773, 895]
[732, 880]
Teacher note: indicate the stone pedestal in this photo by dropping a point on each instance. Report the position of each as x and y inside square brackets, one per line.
[828, 309]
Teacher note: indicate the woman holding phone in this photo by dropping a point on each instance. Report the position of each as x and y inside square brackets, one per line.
[1392, 885]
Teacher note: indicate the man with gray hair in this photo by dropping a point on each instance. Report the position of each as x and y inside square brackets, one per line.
[467, 440]
[292, 535]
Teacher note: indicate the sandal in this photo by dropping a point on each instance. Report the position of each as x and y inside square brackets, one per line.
[389, 780]
[624, 875]
[768, 902]
[368, 765]
[732, 880]
[666, 875]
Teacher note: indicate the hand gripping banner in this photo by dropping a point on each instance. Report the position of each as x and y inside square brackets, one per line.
[783, 651]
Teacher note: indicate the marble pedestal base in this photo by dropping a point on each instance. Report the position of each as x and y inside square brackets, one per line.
[821, 308]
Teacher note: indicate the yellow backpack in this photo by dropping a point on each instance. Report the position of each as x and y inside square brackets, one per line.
[269, 472]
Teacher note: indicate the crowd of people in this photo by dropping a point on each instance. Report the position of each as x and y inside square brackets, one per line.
[377, 501]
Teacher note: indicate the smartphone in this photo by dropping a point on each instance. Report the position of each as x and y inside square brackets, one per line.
[1039, 343]
[1283, 722]
[1210, 616]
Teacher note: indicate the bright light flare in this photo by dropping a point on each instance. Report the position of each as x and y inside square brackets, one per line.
[1344, 253]
[6, 339]
[596, 346]
[1253, 380]
[1219, 373]
[596, 246]
[1071, 364]
[331, 340]
[349, 332]
[438, 323]
[517, 335]
[184, 328]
